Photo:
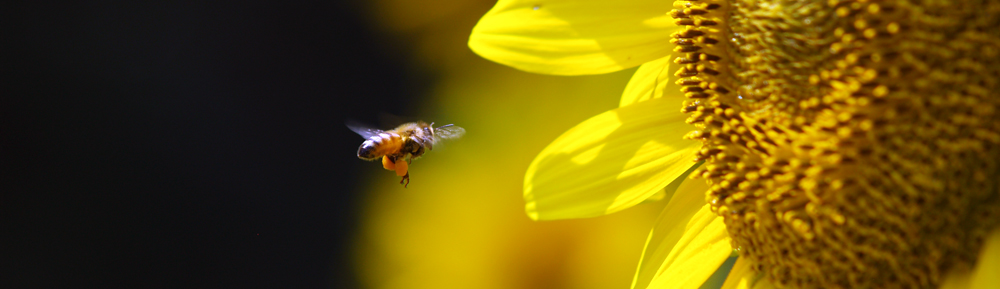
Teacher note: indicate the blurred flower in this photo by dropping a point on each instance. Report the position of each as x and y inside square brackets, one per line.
[846, 143]
[459, 223]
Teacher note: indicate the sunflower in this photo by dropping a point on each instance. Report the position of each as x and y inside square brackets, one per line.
[827, 144]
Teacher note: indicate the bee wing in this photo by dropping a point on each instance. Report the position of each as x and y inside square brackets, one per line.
[364, 130]
[448, 131]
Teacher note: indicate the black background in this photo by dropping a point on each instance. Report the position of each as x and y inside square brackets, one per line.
[179, 145]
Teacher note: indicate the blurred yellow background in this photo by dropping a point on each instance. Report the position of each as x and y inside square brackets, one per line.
[461, 221]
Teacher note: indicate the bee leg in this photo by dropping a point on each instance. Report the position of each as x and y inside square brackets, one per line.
[405, 178]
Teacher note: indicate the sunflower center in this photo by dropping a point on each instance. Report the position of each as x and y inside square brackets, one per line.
[848, 143]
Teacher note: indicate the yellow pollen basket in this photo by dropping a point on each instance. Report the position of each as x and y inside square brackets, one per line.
[400, 166]
[388, 164]
[848, 144]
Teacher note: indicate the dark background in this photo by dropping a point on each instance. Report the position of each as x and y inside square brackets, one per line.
[180, 145]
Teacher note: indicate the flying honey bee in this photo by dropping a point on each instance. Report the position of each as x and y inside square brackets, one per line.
[400, 146]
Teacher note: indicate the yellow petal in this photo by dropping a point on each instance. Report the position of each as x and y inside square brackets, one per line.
[668, 192]
[704, 246]
[651, 80]
[566, 37]
[984, 275]
[668, 229]
[719, 276]
[763, 283]
[659, 195]
[610, 162]
[741, 276]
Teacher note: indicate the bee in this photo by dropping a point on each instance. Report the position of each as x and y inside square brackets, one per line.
[400, 146]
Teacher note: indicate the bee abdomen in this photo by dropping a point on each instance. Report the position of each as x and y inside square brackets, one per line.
[378, 145]
[367, 150]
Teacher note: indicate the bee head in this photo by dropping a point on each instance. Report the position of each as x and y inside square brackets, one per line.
[367, 151]
[429, 130]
